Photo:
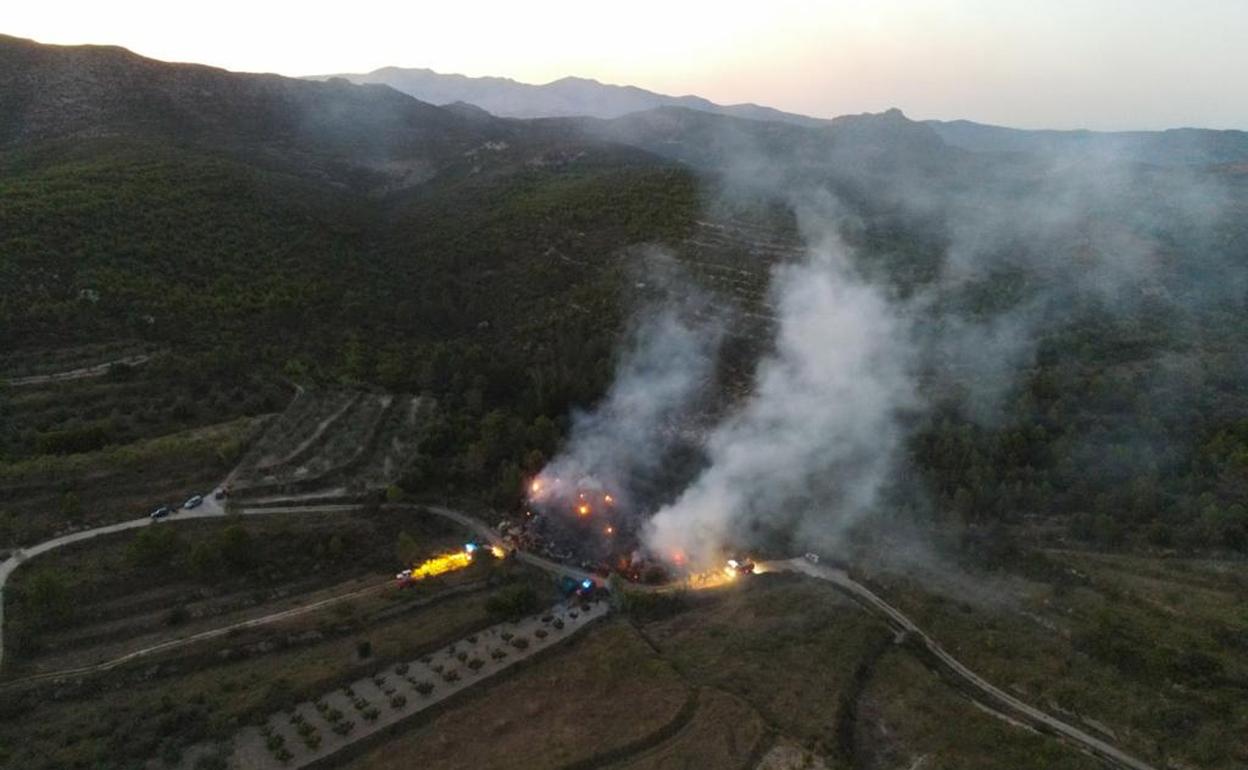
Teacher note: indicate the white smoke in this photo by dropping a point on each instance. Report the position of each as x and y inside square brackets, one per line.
[811, 447]
[667, 364]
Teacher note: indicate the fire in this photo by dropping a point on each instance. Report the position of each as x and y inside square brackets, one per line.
[498, 552]
[582, 509]
[536, 486]
[439, 565]
[608, 499]
[610, 530]
[711, 578]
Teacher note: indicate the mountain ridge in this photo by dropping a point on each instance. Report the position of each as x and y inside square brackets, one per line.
[574, 96]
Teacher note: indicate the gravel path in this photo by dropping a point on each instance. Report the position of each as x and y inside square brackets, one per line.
[1030, 715]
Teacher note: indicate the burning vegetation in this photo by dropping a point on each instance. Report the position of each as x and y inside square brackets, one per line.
[582, 523]
[438, 565]
[586, 524]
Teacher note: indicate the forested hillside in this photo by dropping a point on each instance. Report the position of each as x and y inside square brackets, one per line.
[253, 230]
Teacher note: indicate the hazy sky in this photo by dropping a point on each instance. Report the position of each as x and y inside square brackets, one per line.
[1108, 64]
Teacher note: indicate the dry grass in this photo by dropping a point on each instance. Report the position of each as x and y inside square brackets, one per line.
[786, 645]
[722, 734]
[908, 714]
[134, 712]
[603, 691]
[1154, 649]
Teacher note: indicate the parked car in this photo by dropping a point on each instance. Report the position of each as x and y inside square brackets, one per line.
[813, 558]
[220, 493]
[193, 501]
[160, 512]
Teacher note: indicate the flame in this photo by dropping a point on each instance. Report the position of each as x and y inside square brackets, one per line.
[441, 564]
[610, 530]
[498, 552]
[608, 499]
[711, 578]
[583, 509]
[536, 486]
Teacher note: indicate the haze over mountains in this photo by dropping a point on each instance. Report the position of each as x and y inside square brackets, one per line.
[572, 96]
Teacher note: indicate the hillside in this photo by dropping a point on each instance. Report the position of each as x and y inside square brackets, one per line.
[493, 263]
[1174, 147]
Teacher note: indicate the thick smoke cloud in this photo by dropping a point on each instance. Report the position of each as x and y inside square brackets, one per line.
[811, 447]
[667, 364]
[1012, 253]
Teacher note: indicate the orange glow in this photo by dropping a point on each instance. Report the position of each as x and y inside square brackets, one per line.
[711, 578]
[441, 564]
[498, 552]
[610, 530]
[536, 486]
[608, 499]
[583, 510]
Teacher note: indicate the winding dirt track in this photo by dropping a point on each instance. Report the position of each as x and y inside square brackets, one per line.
[86, 372]
[215, 511]
[1015, 707]
[1001, 699]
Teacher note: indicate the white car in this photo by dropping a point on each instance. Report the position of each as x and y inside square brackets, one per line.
[193, 501]
[813, 558]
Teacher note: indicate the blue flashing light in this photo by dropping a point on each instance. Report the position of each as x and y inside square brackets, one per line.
[470, 547]
[587, 583]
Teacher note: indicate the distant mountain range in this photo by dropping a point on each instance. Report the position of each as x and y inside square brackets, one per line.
[564, 98]
[573, 96]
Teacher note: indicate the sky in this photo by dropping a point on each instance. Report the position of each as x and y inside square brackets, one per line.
[1101, 64]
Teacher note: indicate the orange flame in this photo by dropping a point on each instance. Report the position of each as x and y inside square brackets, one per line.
[442, 564]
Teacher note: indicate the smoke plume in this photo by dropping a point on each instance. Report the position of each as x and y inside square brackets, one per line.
[667, 362]
[810, 448]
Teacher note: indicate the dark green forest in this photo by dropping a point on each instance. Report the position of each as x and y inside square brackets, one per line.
[500, 283]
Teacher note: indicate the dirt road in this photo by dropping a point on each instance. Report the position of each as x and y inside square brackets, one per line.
[99, 370]
[994, 695]
[212, 508]
[999, 698]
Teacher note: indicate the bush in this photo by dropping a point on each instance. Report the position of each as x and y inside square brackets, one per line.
[212, 761]
[475, 664]
[424, 688]
[398, 702]
[154, 548]
[513, 602]
[364, 648]
[371, 713]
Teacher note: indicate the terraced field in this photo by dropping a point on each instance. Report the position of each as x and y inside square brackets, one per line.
[333, 440]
